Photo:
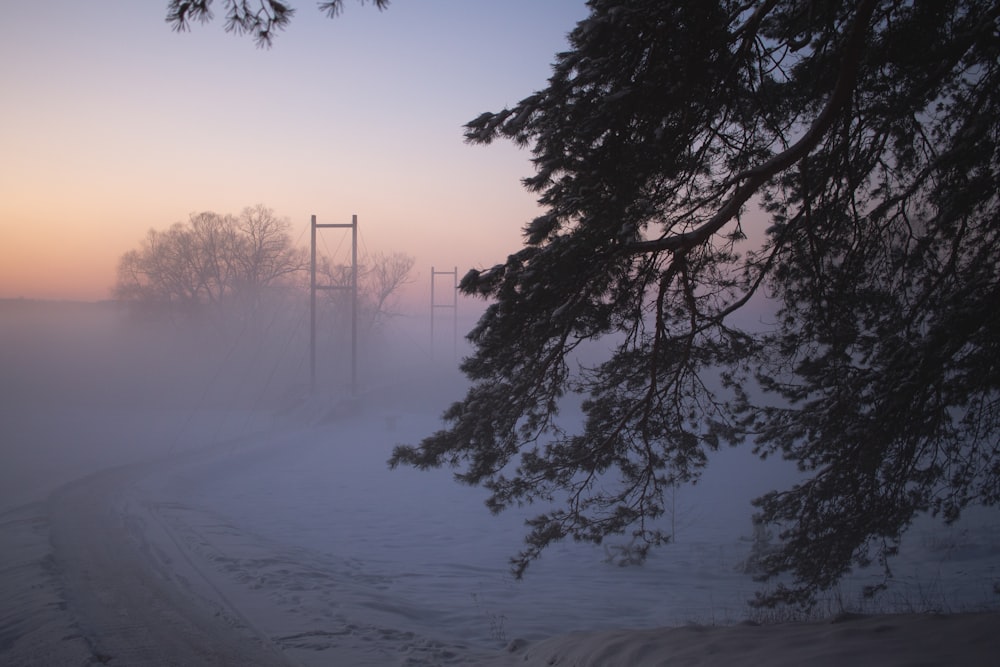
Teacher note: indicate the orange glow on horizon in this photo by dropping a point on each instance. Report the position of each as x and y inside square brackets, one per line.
[112, 124]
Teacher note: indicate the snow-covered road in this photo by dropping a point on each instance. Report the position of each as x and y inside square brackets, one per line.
[150, 569]
[295, 545]
[166, 503]
[138, 594]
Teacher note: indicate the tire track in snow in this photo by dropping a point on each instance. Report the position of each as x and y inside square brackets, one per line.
[35, 630]
[319, 609]
[137, 598]
[152, 580]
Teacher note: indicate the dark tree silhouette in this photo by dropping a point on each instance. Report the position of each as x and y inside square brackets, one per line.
[867, 133]
[259, 18]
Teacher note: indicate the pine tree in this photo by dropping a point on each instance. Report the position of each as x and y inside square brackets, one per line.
[867, 134]
[259, 18]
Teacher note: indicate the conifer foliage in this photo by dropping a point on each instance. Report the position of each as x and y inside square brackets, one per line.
[259, 18]
[866, 133]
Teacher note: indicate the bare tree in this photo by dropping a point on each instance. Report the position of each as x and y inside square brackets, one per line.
[216, 263]
[266, 256]
[383, 278]
[380, 277]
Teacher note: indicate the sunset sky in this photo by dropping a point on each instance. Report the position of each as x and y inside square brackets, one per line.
[112, 124]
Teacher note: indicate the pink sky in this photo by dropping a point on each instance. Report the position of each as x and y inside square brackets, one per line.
[112, 124]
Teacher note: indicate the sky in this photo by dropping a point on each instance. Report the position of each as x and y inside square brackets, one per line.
[112, 124]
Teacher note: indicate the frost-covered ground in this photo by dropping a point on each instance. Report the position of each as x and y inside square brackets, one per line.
[200, 533]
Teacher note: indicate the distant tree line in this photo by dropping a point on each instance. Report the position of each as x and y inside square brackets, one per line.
[211, 262]
[226, 267]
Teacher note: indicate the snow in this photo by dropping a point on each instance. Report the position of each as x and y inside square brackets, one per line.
[168, 532]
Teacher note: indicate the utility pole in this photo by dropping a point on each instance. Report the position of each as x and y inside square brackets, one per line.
[453, 306]
[353, 287]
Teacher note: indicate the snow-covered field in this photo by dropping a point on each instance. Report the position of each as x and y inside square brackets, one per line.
[140, 527]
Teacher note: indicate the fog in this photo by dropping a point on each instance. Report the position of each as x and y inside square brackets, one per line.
[125, 438]
[91, 385]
